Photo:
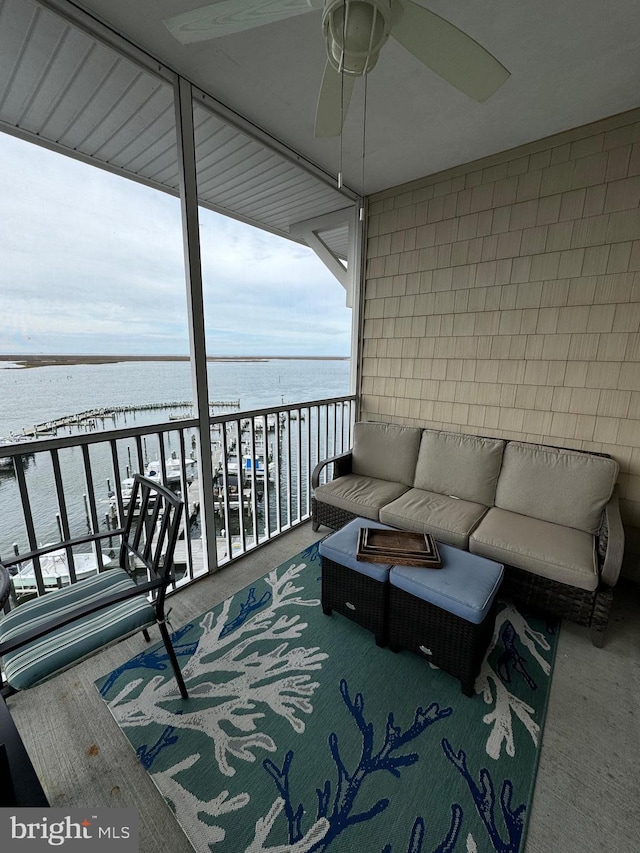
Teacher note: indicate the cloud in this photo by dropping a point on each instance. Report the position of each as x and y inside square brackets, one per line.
[93, 263]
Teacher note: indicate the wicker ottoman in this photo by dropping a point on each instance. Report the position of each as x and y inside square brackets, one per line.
[446, 615]
[354, 588]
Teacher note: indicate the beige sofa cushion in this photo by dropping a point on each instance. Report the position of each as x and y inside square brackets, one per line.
[561, 486]
[385, 451]
[464, 466]
[449, 520]
[362, 496]
[552, 551]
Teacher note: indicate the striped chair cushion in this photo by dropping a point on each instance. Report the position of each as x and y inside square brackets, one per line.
[61, 648]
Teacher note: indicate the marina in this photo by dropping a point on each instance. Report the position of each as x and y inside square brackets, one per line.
[263, 449]
[236, 485]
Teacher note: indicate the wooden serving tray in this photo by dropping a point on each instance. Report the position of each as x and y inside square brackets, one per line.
[398, 546]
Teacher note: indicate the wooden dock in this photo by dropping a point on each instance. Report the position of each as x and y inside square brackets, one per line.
[181, 555]
[91, 415]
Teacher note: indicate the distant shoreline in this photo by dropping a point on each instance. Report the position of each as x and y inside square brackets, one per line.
[23, 361]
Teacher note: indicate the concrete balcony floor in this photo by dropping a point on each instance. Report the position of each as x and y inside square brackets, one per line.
[589, 773]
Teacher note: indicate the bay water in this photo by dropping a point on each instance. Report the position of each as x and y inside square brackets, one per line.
[34, 395]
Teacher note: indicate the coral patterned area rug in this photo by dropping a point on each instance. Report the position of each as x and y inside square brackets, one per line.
[301, 735]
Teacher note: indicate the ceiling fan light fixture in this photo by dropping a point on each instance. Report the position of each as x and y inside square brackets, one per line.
[355, 31]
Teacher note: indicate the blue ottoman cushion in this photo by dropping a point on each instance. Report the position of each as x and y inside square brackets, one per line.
[342, 546]
[466, 585]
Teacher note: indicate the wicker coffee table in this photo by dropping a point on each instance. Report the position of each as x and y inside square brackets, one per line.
[358, 590]
[445, 615]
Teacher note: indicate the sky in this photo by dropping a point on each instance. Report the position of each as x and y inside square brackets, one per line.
[92, 263]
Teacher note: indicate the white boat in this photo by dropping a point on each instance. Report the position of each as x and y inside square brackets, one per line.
[55, 570]
[259, 468]
[248, 464]
[173, 470]
[126, 489]
[6, 462]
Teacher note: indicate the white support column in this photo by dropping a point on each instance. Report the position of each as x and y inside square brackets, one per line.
[357, 243]
[195, 311]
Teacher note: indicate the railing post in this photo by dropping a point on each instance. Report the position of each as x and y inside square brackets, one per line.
[195, 310]
[292, 448]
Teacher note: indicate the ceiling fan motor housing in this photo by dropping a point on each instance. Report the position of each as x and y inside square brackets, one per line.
[355, 31]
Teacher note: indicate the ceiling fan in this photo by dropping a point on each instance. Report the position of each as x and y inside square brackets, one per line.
[355, 31]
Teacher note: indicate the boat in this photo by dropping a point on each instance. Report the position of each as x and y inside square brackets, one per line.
[245, 467]
[126, 490]
[258, 468]
[173, 473]
[6, 462]
[173, 470]
[230, 497]
[55, 570]
[251, 468]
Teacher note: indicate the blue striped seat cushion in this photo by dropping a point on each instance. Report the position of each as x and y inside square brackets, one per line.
[65, 646]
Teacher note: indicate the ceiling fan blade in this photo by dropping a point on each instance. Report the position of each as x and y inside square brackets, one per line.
[333, 102]
[231, 16]
[448, 51]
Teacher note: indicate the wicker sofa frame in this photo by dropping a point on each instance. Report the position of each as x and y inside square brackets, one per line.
[532, 592]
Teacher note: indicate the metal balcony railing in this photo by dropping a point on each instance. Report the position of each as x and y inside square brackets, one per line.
[57, 489]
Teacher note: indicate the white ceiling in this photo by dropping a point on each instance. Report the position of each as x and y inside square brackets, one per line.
[571, 62]
[63, 87]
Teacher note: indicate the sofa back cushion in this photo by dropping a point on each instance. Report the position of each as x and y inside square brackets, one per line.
[562, 486]
[463, 466]
[385, 451]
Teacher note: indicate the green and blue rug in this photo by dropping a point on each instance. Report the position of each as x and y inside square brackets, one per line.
[301, 735]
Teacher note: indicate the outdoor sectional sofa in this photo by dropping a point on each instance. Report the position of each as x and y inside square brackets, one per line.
[549, 514]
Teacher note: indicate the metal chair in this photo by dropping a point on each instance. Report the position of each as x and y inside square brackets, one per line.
[59, 628]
